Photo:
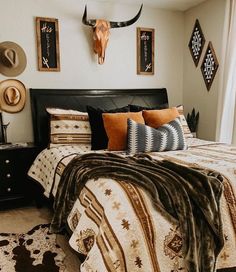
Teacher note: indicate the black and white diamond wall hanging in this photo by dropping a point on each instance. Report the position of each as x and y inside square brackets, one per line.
[209, 66]
[196, 42]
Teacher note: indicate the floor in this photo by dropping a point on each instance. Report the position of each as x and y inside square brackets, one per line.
[21, 220]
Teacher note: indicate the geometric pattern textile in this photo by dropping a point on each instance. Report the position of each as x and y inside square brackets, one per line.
[142, 138]
[187, 132]
[69, 127]
[209, 66]
[196, 43]
[141, 231]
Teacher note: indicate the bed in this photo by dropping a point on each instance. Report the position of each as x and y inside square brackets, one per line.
[114, 223]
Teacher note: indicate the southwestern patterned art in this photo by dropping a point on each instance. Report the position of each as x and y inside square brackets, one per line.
[196, 42]
[209, 66]
[115, 224]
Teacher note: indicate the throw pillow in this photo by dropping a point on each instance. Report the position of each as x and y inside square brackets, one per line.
[136, 108]
[116, 128]
[157, 118]
[99, 139]
[69, 127]
[143, 138]
[187, 132]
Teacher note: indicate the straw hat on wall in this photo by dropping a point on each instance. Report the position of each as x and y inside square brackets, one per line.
[12, 95]
[12, 59]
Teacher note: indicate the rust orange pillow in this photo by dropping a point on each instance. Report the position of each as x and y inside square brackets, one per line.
[157, 118]
[116, 128]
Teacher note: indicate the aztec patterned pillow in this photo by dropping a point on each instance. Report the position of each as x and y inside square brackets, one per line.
[69, 127]
[142, 138]
[187, 132]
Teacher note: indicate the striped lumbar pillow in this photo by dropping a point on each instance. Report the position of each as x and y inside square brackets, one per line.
[142, 138]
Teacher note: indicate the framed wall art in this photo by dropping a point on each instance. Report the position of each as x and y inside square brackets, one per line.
[145, 51]
[196, 42]
[48, 44]
[209, 66]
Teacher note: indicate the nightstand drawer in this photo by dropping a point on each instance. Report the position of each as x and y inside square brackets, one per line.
[9, 175]
[8, 188]
[6, 160]
[14, 165]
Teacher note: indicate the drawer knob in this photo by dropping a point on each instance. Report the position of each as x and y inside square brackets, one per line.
[7, 161]
[8, 175]
[9, 189]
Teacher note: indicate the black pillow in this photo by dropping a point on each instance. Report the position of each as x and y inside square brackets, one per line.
[99, 139]
[136, 108]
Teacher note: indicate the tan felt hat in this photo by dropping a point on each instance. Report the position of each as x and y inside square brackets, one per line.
[12, 59]
[12, 95]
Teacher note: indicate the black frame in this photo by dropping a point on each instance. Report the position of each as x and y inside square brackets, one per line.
[145, 51]
[48, 44]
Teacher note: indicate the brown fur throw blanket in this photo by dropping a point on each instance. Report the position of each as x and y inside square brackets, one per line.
[190, 196]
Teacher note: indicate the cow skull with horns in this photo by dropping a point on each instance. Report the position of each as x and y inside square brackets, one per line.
[101, 32]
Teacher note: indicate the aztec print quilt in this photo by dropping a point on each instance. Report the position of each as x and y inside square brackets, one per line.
[117, 228]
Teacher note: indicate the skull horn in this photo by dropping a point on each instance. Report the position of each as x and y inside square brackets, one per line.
[91, 22]
[126, 23]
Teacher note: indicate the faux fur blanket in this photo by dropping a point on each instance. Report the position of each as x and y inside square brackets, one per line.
[190, 196]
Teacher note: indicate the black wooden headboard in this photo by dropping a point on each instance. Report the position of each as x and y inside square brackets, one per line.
[78, 100]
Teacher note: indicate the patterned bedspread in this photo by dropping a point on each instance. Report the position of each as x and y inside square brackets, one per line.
[115, 224]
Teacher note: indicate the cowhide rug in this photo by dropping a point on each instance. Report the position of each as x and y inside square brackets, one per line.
[35, 251]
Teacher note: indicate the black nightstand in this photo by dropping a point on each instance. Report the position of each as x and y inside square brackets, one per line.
[15, 162]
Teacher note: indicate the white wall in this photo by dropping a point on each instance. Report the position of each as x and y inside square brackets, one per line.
[234, 131]
[79, 68]
[211, 17]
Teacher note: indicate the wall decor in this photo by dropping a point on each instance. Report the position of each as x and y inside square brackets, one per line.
[48, 44]
[196, 42]
[145, 51]
[13, 59]
[209, 66]
[101, 31]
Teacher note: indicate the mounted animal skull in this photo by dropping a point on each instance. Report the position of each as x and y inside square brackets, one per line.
[101, 32]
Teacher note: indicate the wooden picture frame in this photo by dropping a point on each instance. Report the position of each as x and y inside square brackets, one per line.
[209, 66]
[47, 32]
[145, 51]
[196, 43]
